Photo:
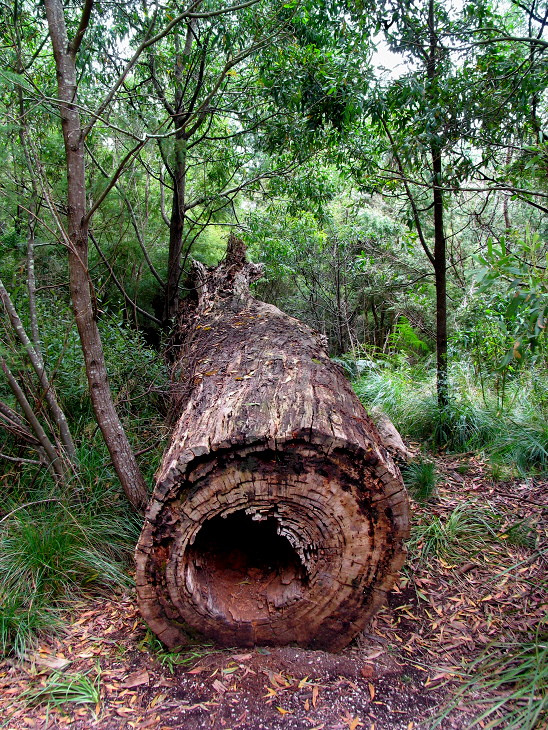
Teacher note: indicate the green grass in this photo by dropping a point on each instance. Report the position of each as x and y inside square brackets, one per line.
[515, 435]
[55, 549]
[60, 689]
[521, 533]
[514, 675]
[52, 551]
[21, 621]
[171, 659]
[420, 478]
[467, 529]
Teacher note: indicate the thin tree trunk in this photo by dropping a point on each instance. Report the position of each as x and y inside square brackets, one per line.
[440, 264]
[53, 457]
[38, 366]
[177, 219]
[176, 229]
[116, 440]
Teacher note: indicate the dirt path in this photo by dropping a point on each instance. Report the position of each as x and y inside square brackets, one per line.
[443, 613]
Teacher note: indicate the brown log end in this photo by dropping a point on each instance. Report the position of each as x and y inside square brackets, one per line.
[294, 542]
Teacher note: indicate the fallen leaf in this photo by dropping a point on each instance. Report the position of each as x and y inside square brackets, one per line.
[50, 661]
[158, 698]
[219, 687]
[136, 679]
[375, 654]
[150, 723]
[371, 690]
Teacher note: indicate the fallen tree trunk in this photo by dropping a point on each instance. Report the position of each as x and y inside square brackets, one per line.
[278, 516]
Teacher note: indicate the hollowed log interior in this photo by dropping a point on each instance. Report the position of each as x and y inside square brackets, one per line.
[240, 564]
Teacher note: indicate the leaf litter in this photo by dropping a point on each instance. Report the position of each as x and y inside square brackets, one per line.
[409, 662]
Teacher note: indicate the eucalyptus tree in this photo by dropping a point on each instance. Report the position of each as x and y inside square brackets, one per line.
[205, 77]
[441, 130]
[72, 48]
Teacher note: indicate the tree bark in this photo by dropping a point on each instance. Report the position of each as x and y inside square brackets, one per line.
[278, 516]
[115, 438]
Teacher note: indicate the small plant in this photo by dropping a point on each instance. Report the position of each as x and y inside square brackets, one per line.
[463, 468]
[421, 479]
[466, 529]
[521, 533]
[499, 471]
[516, 674]
[171, 659]
[78, 689]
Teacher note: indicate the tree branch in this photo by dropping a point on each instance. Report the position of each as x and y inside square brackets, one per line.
[119, 285]
[112, 182]
[84, 22]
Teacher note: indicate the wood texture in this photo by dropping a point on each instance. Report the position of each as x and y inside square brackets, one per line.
[278, 516]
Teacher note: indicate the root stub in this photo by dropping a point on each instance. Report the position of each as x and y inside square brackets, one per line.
[271, 547]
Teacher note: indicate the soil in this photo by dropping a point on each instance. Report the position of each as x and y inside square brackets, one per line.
[399, 674]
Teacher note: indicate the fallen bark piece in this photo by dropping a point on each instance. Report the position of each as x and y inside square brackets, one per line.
[390, 436]
[278, 516]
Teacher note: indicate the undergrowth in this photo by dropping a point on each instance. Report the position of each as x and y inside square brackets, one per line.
[59, 689]
[56, 545]
[514, 675]
[420, 478]
[513, 431]
[464, 531]
[180, 657]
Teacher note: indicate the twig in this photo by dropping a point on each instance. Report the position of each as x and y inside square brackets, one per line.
[27, 504]
[19, 460]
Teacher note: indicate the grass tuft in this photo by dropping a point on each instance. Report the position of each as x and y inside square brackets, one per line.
[465, 530]
[59, 689]
[421, 479]
[21, 622]
[516, 675]
[51, 551]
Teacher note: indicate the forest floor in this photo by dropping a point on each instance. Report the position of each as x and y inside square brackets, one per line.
[449, 606]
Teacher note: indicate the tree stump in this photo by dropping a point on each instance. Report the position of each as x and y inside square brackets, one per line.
[278, 516]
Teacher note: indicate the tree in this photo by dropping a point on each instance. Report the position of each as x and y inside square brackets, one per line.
[80, 120]
[438, 131]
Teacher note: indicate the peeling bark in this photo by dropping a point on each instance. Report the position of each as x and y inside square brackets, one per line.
[278, 516]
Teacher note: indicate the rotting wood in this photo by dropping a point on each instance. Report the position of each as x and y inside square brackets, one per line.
[278, 516]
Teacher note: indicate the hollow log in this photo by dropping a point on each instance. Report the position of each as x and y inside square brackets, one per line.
[278, 517]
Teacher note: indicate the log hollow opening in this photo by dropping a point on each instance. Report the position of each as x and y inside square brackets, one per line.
[242, 566]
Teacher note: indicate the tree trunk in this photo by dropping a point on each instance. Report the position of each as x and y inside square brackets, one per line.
[83, 303]
[440, 255]
[278, 516]
[176, 229]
